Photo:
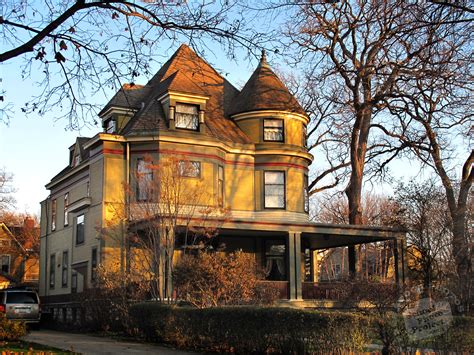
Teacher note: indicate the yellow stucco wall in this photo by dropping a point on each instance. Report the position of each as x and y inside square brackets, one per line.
[106, 176]
[252, 125]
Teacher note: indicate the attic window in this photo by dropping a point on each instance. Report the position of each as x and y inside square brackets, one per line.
[273, 130]
[110, 126]
[77, 160]
[187, 117]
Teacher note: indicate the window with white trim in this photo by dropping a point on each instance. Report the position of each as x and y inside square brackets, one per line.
[274, 189]
[187, 117]
[189, 168]
[273, 130]
[66, 206]
[110, 126]
[220, 185]
[80, 237]
[144, 180]
[53, 215]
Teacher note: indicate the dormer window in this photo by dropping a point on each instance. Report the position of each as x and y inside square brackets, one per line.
[110, 126]
[187, 117]
[77, 160]
[273, 130]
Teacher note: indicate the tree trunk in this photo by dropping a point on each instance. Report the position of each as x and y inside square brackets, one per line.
[359, 138]
[462, 255]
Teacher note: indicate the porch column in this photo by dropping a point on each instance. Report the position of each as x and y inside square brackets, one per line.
[294, 265]
[399, 261]
[352, 258]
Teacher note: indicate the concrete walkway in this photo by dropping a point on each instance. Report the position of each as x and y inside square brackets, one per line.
[88, 344]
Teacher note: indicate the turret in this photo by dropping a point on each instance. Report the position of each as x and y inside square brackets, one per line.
[274, 120]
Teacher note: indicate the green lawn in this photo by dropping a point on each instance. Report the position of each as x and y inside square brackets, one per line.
[30, 348]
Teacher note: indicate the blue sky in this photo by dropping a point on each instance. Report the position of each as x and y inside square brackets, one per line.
[35, 148]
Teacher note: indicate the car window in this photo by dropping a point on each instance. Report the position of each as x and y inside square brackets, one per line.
[21, 297]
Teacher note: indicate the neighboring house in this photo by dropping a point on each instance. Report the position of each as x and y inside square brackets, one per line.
[247, 150]
[376, 263]
[19, 256]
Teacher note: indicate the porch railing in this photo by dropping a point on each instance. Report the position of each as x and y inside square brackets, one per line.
[280, 286]
[337, 291]
[316, 291]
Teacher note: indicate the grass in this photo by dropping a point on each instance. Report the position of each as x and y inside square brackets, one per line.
[30, 348]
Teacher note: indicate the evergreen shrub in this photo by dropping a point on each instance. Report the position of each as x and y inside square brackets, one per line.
[249, 329]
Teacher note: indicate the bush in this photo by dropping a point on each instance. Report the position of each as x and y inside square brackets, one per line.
[212, 279]
[106, 306]
[11, 330]
[251, 329]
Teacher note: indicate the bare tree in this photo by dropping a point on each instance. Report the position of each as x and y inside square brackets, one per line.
[82, 48]
[7, 199]
[378, 210]
[363, 49]
[165, 206]
[434, 112]
[422, 210]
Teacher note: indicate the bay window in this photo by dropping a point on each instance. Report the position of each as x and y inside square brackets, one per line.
[273, 130]
[274, 189]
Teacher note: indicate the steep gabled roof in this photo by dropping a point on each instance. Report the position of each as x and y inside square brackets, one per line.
[265, 91]
[84, 153]
[186, 72]
[78, 149]
[129, 96]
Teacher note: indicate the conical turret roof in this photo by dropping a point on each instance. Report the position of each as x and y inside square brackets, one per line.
[265, 91]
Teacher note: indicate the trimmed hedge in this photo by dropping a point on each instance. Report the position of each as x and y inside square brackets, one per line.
[251, 329]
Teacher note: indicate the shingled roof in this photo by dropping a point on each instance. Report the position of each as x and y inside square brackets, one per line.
[128, 97]
[186, 72]
[265, 91]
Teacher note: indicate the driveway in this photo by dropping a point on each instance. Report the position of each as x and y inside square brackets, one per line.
[88, 344]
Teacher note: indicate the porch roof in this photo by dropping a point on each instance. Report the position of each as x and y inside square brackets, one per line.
[315, 235]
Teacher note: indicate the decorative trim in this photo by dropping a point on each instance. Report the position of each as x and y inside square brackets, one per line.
[220, 159]
[116, 109]
[79, 204]
[179, 95]
[270, 114]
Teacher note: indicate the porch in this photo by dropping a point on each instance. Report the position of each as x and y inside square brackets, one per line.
[288, 254]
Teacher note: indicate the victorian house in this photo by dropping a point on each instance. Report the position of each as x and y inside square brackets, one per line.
[247, 150]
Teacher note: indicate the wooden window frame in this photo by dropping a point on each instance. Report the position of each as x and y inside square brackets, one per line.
[284, 190]
[83, 223]
[53, 215]
[282, 140]
[220, 186]
[66, 206]
[65, 269]
[176, 113]
[148, 174]
[184, 174]
[52, 271]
